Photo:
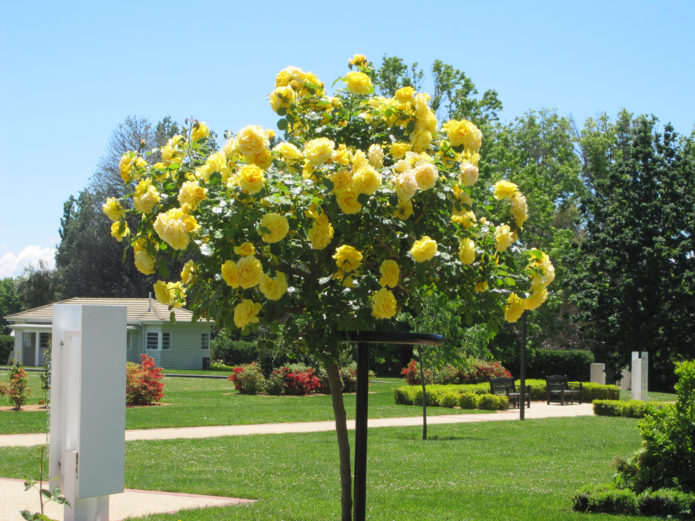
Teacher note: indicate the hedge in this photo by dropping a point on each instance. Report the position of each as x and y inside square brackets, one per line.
[626, 409]
[608, 499]
[450, 396]
[590, 391]
[6, 346]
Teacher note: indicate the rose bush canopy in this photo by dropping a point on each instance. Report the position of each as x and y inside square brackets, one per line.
[337, 223]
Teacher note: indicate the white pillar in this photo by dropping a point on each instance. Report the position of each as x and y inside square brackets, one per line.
[87, 441]
[636, 376]
[598, 373]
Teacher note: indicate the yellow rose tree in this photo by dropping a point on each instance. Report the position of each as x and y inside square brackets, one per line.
[336, 225]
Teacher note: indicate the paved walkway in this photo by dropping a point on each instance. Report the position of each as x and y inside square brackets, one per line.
[138, 503]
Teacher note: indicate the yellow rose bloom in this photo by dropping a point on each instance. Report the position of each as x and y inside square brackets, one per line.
[144, 262]
[230, 274]
[145, 196]
[424, 249]
[191, 194]
[245, 249]
[342, 180]
[170, 293]
[263, 159]
[463, 133]
[347, 201]
[536, 299]
[426, 175]
[376, 155]
[117, 232]
[245, 313]
[390, 273]
[200, 131]
[174, 226]
[282, 97]
[216, 162]
[318, 151]
[421, 140]
[405, 95]
[273, 288]
[467, 251]
[347, 258]
[468, 174]
[480, 287]
[113, 209]
[251, 140]
[405, 185]
[189, 272]
[249, 271]
[504, 190]
[358, 82]
[251, 179]
[383, 304]
[290, 75]
[171, 152]
[358, 60]
[514, 308]
[404, 209]
[465, 218]
[504, 237]
[519, 209]
[366, 180]
[398, 150]
[341, 155]
[288, 152]
[321, 233]
[277, 227]
[130, 160]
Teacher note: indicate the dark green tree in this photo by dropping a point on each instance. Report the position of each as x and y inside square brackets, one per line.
[37, 286]
[9, 303]
[633, 275]
[88, 260]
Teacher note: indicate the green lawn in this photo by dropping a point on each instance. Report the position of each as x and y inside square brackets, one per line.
[497, 471]
[206, 401]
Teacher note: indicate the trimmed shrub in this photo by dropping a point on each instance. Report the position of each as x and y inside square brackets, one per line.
[574, 363]
[605, 499]
[468, 401]
[592, 391]
[219, 365]
[248, 379]
[449, 399]
[144, 384]
[491, 402]
[667, 502]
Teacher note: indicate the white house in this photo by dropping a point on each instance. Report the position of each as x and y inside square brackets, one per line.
[178, 344]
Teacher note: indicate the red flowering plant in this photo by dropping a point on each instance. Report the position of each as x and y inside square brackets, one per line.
[295, 380]
[18, 389]
[144, 384]
[248, 379]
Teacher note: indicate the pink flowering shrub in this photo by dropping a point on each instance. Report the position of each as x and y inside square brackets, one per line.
[477, 371]
[144, 384]
[248, 379]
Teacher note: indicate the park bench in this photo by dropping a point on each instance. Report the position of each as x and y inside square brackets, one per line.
[506, 387]
[557, 389]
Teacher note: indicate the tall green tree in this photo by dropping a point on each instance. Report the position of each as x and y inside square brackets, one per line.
[88, 260]
[37, 286]
[9, 302]
[634, 274]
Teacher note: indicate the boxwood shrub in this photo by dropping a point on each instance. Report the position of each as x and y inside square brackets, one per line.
[626, 409]
[450, 396]
[608, 499]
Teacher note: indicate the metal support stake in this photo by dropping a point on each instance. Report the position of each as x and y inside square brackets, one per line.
[361, 430]
[522, 373]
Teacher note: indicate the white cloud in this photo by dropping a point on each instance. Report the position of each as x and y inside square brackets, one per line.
[11, 265]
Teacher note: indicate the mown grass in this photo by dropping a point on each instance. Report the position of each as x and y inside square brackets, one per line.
[204, 401]
[496, 471]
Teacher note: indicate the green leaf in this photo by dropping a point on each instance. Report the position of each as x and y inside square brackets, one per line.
[282, 124]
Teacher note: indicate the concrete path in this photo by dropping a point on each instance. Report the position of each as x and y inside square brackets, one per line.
[537, 410]
[138, 503]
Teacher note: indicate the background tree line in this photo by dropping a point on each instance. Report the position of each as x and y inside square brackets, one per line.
[613, 203]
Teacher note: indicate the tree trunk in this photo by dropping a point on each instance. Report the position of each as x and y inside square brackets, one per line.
[343, 441]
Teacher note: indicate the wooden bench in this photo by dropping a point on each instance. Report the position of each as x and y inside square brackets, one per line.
[506, 387]
[557, 389]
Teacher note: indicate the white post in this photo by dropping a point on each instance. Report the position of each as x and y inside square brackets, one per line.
[87, 441]
[636, 376]
[597, 373]
[645, 375]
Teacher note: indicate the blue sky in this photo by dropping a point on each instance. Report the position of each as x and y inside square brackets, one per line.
[72, 71]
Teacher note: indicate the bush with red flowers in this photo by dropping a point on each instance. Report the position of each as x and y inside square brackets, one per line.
[144, 384]
[475, 371]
